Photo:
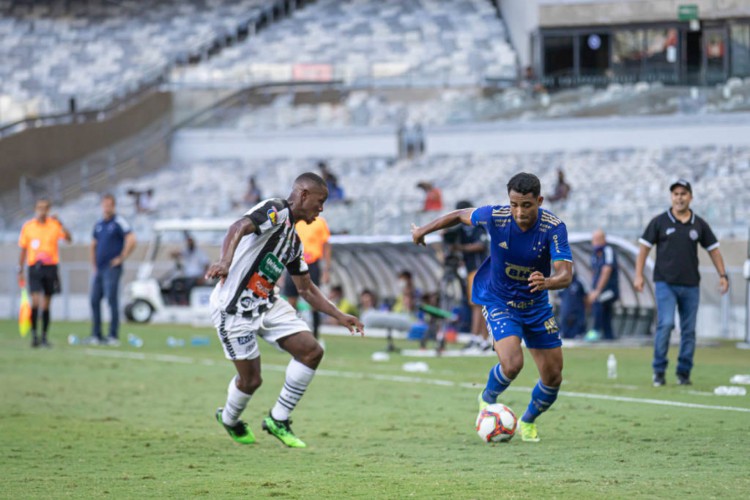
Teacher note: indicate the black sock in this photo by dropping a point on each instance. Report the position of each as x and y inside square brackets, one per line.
[34, 312]
[45, 323]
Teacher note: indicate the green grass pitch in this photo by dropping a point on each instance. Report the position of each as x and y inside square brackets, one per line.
[100, 422]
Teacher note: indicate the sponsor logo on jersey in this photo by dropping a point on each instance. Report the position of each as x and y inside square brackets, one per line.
[516, 272]
[557, 246]
[670, 230]
[260, 286]
[272, 215]
[272, 267]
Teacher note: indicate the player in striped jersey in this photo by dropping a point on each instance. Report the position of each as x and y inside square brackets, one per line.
[244, 306]
[512, 288]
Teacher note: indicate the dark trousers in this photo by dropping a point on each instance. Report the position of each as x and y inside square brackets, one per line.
[106, 283]
[603, 312]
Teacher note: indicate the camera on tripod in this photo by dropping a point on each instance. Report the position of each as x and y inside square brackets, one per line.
[452, 257]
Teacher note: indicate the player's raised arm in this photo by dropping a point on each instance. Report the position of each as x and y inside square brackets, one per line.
[444, 221]
[236, 232]
[313, 296]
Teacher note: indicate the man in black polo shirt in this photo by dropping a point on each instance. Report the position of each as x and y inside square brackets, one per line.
[676, 234]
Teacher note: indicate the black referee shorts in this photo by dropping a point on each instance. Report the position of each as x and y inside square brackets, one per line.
[44, 279]
[290, 290]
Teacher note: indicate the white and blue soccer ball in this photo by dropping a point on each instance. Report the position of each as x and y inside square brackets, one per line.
[496, 423]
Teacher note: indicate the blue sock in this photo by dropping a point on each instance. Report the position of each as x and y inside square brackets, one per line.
[497, 382]
[542, 398]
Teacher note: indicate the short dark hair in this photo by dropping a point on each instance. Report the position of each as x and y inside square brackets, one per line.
[405, 274]
[310, 178]
[463, 204]
[524, 183]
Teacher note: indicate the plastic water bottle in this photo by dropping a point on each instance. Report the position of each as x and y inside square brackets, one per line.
[611, 366]
[73, 339]
[173, 342]
[135, 340]
[198, 341]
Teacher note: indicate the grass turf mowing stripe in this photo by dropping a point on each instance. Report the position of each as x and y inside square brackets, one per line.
[413, 380]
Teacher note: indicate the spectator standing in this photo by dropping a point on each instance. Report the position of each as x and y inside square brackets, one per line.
[676, 234]
[253, 194]
[433, 200]
[113, 241]
[38, 242]
[314, 237]
[335, 192]
[562, 188]
[605, 286]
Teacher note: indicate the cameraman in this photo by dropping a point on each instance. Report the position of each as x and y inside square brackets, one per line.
[471, 243]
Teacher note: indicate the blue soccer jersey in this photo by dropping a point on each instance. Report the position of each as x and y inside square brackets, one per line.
[515, 254]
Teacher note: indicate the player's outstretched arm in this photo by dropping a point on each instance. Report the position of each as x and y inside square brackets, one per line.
[448, 220]
[313, 296]
[236, 232]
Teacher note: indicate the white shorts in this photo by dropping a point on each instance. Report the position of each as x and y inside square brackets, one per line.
[238, 335]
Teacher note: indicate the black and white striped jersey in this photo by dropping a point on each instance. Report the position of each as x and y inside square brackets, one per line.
[260, 259]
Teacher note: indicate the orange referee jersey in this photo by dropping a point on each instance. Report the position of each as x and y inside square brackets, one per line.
[40, 239]
[314, 237]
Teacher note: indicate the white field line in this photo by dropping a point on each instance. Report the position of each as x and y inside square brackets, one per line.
[409, 380]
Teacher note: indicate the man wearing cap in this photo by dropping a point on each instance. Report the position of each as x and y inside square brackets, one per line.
[676, 234]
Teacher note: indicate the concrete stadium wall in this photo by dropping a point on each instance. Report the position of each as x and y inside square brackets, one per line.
[21, 154]
[592, 12]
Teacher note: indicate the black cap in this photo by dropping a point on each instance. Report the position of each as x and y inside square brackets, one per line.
[683, 183]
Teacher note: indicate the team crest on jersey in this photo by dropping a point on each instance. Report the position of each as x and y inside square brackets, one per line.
[503, 245]
[272, 215]
[693, 234]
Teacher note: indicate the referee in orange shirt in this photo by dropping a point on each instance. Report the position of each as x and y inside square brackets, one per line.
[314, 237]
[39, 250]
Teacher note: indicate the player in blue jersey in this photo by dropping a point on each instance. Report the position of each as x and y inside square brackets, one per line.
[511, 286]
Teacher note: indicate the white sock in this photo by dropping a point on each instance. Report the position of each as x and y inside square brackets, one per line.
[298, 377]
[236, 403]
[476, 338]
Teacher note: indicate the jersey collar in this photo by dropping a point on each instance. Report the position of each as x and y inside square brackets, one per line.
[675, 221]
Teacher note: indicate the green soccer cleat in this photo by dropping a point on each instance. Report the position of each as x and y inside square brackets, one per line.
[240, 432]
[528, 432]
[282, 430]
[482, 403]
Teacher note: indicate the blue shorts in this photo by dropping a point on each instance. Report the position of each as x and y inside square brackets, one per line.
[535, 325]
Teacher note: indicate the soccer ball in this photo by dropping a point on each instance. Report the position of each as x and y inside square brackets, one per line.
[496, 423]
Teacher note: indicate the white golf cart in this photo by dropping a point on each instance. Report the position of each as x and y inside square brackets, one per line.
[151, 296]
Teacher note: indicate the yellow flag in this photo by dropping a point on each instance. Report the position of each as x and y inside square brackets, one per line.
[24, 314]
